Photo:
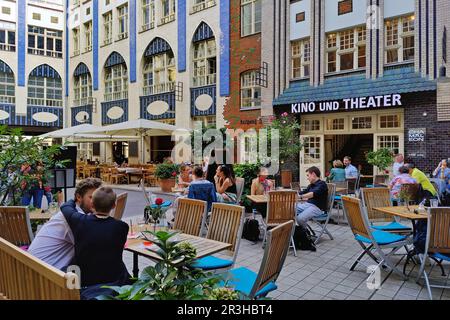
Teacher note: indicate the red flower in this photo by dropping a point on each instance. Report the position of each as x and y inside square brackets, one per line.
[174, 174]
[386, 171]
[159, 201]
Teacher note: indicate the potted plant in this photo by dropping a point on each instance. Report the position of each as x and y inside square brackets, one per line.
[381, 159]
[166, 173]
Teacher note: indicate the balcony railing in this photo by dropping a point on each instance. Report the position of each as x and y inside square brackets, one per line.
[167, 19]
[122, 35]
[107, 41]
[7, 47]
[54, 54]
[76, 52]
[113, 96]
[83, 102]
[147, 26]
[7, 99]
[159, 88]
[207, 80]
[45, 102]
[88, 48]
[202, 6]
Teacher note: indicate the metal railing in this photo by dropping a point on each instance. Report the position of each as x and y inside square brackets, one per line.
[167, 19]
[45, 102]
[7, 99]
[7, 47]
[159, 88]
[147, 26]
[107, 41]
[206, 80]
[54, 54]
[122, 35]
[83, 102]
[113, 96]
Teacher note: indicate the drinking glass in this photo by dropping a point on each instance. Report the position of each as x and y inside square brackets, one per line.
[434, 203]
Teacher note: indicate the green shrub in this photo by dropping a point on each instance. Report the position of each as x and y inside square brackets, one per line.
[167, 170]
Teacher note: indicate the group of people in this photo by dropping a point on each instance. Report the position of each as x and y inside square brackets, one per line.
[343, 170]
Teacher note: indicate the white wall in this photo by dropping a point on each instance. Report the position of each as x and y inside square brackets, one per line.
[302, 29]
[8, 17]
[46, 15]
[333, 21]
[398, 7]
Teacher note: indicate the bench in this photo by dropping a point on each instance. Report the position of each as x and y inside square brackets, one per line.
[25, 277]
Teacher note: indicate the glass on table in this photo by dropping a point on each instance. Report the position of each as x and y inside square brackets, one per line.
[434, 203]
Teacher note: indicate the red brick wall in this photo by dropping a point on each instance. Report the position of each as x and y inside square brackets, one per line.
[245, 54]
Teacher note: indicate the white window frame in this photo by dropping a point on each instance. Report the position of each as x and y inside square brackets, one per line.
[249, 84]
[394, 38]
[148, 14]
[82, 90]
[107, 28]
[46, 34]
[255, 20]
[44, 87]
[199, 5]
[7, 88]
[7, 46]
[122, 18]
[202, 52]
[169, 16]
[76, 41]
[116, 82]
[87, 36]
[300, 53]
[165, 70]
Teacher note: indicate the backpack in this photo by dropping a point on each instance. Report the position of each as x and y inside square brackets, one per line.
[303, 238]
[251, 230]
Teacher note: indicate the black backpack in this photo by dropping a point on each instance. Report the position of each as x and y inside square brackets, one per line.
[251, 230]
[304, 238]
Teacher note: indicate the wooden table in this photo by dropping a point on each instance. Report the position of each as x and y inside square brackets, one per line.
[340, 189]
[402, 212]
[259, 199]
[204, 247]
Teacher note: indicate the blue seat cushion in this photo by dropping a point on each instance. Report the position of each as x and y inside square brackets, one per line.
[211, 263]
[394, 225]
[322, 217]
[369, 185]
[337, 197]
[381, 237]
[242, 279]
[441, 256]
[164, 204]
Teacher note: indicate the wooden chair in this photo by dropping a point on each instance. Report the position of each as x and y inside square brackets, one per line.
[121, 203]
[117, 177]
[105, 174]
[338, 198]
[381, 197]
[259, 285]
[437, 245]
[322, 220]
[24, 277]
[370, 239]
[295, 186]
[15, 225]
[281, 207]
[149, 176]
[226, 224]
[190, 217]
[380, 179]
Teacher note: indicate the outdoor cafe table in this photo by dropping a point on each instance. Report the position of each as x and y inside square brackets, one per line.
[402, 212]
[259, 199]
[132, 172]
[204, 247]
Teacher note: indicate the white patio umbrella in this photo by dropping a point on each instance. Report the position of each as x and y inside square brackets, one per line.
[70, 131]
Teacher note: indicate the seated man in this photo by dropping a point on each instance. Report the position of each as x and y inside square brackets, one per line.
[315, 195]
[99, 244]
[54, 243]
[202, 189]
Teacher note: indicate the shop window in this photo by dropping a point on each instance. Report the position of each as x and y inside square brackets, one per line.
[311, 125]
[362, 123]
[336, 124]
[390, 121]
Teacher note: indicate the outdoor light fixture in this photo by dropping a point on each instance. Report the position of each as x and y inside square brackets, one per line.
[425, 114]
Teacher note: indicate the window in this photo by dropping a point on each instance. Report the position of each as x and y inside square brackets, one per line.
[362, 123]
[82, 89]
[167, 11]
[116, 82]
[45, 91]
[207, 121]
[7, 87]
[122, 13]
[42, 41]
[345, 6]
[54, 19]
[199, 5]
[391, 142]
[311, 125]
[390, 121]
[346, 50]
[399, 35]
[107, 28]
[76, 41]
[6, 10]
[336, 124]
[204, 63]
[88, 11]
[299, 17]
[250, 17]
[148, 14]
[250, 90]
[159, 73]
[7, 40]
[88, 36]
[301, 57]
[107, 2]
[311, 146]
[36, 16]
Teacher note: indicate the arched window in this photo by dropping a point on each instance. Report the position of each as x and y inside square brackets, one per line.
[116, 78]
[7, 88]
[204, 57]
[45, 87]
[250, 90]
[82, 86]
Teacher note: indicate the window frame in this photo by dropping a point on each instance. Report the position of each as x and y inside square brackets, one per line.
[302, 56]
[167, 69]
[255, 25]
[253, 86]
[45, 34]
[122, 19]
[400, 35]
[7, 83]
[87, 26]
[110, 82]
[147, 9]
[208, 78]
[45, 88]
[107, 28]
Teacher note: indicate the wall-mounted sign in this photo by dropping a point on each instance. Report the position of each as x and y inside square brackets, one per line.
[417, 134]
[389, 100]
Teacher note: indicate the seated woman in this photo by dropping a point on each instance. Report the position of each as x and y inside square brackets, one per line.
[337, 173]
[442, 172]
[185, 177]
[260, 186]
[398, 181]
[225, 185]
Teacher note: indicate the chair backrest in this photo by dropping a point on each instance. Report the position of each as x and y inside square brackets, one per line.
[281, 206]
[354, 212]
[331, 195]
[120, 205]
[295, 186]
[376, 197]
[24, 277]
[226, 224]
[240, 182]
[353, 184]
[412, 189]
[191, 216]
[274, 256]
[203, 191]
[15, 225]
[342, 184]
[438, 230]
[380, 179]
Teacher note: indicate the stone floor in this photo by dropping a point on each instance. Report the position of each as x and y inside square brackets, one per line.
[324, 274]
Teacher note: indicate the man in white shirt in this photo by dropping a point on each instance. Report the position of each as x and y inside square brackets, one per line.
[397, 164]
[350, 170]
[54, 243]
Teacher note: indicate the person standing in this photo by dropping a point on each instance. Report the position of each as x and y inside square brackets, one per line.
[350, 170]
[398, 162]
[428, 190]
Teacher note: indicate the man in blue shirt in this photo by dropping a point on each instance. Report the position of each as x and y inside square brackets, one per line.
[315, 195]
[350, 170]
[202, 189]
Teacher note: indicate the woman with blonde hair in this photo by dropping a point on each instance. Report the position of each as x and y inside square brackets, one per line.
[261, 185]
[337, 173]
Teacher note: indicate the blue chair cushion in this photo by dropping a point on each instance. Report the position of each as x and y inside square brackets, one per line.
[381, 237]
[369, 185]
[441, 256]
[242, 279]
[394, 225]
[164, 204]
[338, 198]
[322, 217]
[211, 263]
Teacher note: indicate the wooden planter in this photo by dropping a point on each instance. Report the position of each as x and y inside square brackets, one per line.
[286, 178]
[167, 184]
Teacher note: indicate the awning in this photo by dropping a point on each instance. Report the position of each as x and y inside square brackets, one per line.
[399, 80]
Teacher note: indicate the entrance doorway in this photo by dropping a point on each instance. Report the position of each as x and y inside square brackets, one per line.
[120, 152]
